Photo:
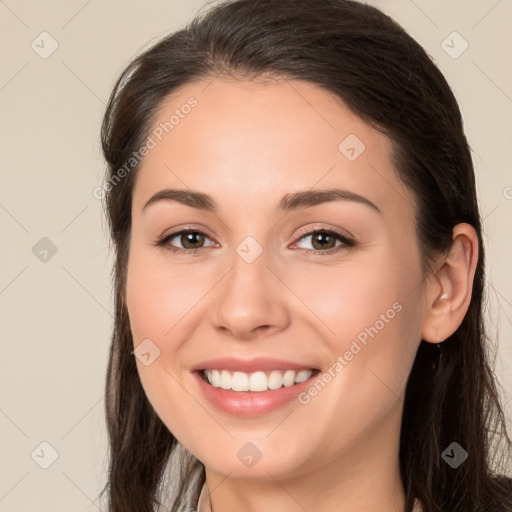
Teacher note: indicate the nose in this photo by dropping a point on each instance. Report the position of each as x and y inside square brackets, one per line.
[250, 300]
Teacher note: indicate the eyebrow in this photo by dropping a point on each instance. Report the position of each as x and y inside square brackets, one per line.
[293, 201]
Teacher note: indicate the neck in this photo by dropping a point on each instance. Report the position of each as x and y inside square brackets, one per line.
[365, 477]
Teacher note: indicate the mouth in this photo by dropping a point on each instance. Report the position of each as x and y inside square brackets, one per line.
[258, 381]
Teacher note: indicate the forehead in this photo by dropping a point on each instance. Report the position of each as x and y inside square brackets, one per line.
[247, 141]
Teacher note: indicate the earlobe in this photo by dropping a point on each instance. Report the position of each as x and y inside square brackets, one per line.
[449, 291]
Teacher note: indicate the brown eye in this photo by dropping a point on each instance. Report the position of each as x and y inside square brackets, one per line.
[324, 241]
[190, 239]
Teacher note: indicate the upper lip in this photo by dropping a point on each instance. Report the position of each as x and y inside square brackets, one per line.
[250, 365]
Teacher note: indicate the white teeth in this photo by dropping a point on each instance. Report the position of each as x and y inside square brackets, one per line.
[302, 376]
[275, 380]
[225, 380]
[288, 378]
[256, 381]
[240, 382]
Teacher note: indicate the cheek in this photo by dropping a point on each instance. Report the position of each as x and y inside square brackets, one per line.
[158, 300]
[374, 291]
[164, 305]
[375, 319]
[158, 296]
[373, 316]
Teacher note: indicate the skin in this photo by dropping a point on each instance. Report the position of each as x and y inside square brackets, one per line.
[247, 144]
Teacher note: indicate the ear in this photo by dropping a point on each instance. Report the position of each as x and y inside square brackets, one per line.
[449, 290]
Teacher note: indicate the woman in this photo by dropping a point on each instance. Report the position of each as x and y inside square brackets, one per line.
[299, 272]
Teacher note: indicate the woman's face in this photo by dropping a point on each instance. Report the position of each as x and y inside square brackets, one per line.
[258, 298]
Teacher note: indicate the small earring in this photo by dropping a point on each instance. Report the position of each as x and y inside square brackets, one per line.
[444, 296]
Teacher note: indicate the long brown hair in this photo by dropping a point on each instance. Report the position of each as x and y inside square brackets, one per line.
[367, 60]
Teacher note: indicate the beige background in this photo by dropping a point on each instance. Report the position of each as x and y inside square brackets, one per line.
[56, 315]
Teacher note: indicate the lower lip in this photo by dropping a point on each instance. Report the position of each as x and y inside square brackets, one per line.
[250, 403]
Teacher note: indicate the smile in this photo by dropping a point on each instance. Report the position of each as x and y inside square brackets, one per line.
[252, 394]
[258, 381]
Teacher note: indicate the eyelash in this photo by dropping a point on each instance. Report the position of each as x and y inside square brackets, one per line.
[346, 242]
